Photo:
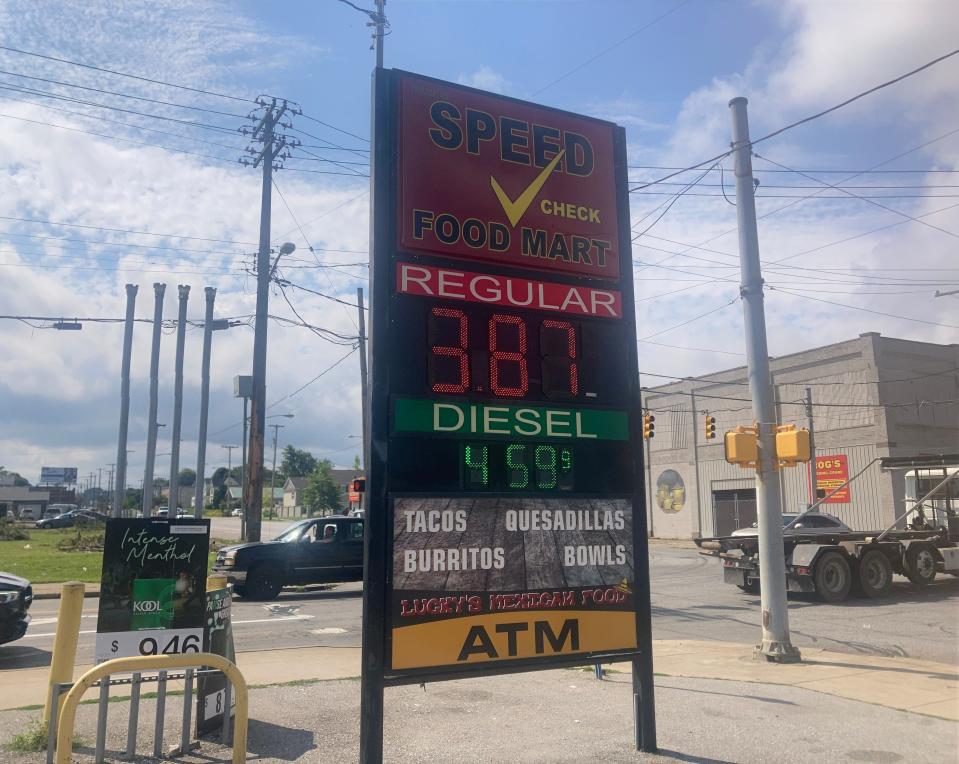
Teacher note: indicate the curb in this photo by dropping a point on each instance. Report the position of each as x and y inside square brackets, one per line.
[55, 594]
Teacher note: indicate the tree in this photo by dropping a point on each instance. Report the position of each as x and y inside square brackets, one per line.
[322, 494]
[18, 479]
[219, 476]
[356, 463]
[187, 477]
[297, 463]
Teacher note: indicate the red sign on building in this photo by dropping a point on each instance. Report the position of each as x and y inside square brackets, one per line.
[831, 472]
[486, 178]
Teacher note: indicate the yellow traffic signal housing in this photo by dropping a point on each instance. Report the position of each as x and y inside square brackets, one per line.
[792, 445]
[710, 427]
[649, 426]
[742, 446]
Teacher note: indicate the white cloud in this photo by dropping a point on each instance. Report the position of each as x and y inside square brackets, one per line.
[485, 78]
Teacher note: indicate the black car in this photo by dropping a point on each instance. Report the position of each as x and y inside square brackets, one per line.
[316, 551]
[81, 517]
[16, 596]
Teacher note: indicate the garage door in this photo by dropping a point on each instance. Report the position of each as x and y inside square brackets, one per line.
[733, 510]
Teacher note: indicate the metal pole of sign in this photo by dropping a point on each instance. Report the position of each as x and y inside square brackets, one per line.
[134, 716]
[55, 691]
[187, 711]
[102, 711]
[227, 700]
[161, 708]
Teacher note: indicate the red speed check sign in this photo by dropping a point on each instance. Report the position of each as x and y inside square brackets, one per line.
[490, 179]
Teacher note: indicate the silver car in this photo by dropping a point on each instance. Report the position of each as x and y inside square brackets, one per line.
[813, 521]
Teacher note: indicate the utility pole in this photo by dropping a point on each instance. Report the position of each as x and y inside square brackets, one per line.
[275, 149]
[146, 502]
[204, 402]
[276, 429]
[121, 477]
[184, 295]
[110, 484]
[229, 457]
[776, 644]
[811, 466]
[99, 489]
[364, 380]
[380, 24]
[699, 501]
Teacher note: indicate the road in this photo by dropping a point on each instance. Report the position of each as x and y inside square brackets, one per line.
[689, 601]
[229, 528]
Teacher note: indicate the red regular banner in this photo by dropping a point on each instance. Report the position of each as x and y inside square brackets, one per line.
[495, 289]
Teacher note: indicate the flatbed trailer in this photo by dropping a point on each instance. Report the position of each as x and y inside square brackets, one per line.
[834, 563]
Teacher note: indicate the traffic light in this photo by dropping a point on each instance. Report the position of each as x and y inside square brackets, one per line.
[710, 424]
[358, 485]
[792, 445]
[649, 426]
[742, 446]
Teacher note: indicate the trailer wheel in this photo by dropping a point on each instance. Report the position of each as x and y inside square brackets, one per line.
[833, 577]
[920, 564]
[751, 586]
[875, 574]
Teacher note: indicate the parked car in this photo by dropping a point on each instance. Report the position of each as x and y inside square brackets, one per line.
[811, 521]
[29, 513]
[16, 596]
[161, 512]
[81, 517]
[237, 512]
[55, 510]
[321, 550]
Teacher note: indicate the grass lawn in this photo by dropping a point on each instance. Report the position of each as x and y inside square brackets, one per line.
[39, 560]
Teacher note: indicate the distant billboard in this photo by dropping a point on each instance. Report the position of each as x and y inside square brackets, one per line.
[58, 475]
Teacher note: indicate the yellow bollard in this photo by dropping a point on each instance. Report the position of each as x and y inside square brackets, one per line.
[65, 642]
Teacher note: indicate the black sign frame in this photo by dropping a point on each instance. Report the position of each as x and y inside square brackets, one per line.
[376, 648]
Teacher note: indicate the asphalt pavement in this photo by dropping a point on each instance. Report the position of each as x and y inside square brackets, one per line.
[689, 601]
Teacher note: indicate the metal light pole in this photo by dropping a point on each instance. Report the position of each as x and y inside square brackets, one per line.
[184, 294]
[364, 378]
[121, 465]
[776, 645]
[147, 503]
[811, 467]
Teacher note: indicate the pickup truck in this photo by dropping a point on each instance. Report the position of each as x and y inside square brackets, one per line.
[314, 551]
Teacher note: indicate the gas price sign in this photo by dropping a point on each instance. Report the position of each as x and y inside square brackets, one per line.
[506, 520]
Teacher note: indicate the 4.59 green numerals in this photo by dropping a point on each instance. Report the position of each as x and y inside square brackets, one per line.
[521, 466]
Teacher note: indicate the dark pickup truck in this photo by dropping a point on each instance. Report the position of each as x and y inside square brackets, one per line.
[317, 551]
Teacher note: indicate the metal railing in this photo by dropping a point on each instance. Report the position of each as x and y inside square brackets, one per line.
[64, 720]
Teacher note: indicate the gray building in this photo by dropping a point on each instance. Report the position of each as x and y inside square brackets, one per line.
[886, 407]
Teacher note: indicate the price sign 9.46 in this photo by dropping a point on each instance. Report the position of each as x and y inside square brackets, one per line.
[125, 644]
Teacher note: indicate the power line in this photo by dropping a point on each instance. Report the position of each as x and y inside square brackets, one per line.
[806, 119]
[122, 95]
[696, 350]
[125, 74]
[124, 230]
[315, 379]
[695, 318]
[338, 129]
[866, 310]
[669, 206]
[713, 380]
[616, 44]
[817, 172]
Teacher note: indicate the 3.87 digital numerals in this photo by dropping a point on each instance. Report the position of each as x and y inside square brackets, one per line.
[517, 466]
[503, 366]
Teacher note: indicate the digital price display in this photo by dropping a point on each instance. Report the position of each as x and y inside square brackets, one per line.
[506, 483]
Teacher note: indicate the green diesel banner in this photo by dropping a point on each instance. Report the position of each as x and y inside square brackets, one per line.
[485, 420]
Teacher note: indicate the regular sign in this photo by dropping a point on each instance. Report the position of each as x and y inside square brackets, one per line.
[507, 523]
[152, 588]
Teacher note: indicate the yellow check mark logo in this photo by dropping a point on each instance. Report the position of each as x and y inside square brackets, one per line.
[515, 210]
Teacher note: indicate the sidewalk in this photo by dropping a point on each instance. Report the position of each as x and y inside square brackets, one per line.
[903, 684]
[52, 591]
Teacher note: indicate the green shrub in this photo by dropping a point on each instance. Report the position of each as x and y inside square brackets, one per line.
[10, 531]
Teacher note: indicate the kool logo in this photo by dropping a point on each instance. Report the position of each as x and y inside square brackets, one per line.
[146, 606]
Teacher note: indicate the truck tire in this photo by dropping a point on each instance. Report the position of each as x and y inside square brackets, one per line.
[920, 564]
[264, 582]
[833, 577]
[750, 587]
[875, 574]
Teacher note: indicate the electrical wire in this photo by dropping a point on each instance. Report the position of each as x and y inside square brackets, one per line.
[125, 230]
[606, 50]
[694, 318]
[125, 74]
[866, 310]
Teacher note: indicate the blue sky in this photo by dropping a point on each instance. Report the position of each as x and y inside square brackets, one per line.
[667, 84]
